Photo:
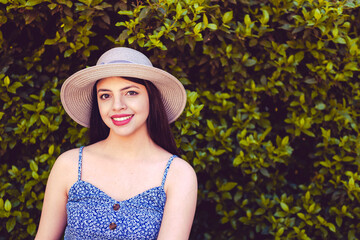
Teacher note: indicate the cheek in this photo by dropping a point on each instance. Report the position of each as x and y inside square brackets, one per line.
[141, 107]
[146, 106]
[147, 109]
[103, 108]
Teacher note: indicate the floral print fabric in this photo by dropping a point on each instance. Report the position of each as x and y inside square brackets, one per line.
[92, 214]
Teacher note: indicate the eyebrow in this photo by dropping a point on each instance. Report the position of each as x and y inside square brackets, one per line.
[123, 89]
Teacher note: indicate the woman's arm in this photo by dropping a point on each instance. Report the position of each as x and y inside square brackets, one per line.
[181, 196]
[53, 214]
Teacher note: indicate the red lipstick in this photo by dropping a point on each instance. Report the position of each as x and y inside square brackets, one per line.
[121, 119]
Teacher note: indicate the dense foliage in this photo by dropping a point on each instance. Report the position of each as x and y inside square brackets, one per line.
[271, 124]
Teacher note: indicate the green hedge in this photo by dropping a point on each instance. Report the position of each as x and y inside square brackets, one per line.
[271, 124]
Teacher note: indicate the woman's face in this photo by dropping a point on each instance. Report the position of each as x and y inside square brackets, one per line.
[123, 105]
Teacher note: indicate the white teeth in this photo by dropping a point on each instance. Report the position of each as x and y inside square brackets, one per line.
[122, 118]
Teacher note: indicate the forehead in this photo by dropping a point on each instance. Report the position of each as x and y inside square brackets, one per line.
[117, 82]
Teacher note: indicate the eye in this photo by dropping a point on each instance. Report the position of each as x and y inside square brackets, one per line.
[131, 93]
[104, 96]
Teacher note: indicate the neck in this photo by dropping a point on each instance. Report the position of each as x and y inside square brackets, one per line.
[134, 146]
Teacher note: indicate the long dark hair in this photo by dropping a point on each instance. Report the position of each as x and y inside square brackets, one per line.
[157, 121]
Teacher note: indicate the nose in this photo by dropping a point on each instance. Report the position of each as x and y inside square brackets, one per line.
[119, 103]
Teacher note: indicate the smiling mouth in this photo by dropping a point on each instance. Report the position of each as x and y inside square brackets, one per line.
[119, 119]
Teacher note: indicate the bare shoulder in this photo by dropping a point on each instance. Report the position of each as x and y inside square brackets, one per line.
[69, 155]
[65, 168]
[182, 173]
[182, 166]
[68, 159]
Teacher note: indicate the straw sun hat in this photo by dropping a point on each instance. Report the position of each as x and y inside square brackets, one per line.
[76, 92]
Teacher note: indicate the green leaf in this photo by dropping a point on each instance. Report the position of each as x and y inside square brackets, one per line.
[265, 19]
[192, 96]
[52, 109]
[32, 120]
[299, 56]
[310, 80]
[332, 227]
[6, 81]
[35, 175]
[197, 28]
[348, 159]
[351, 234]
[14, 86]
[52, 6]
[10, 224]
[311, 208]
[33, 166]
[352, 66]
[205, 20]
[51, 149]
[280, 214]
[31, 229]
[68, 53]
[280, 232]
[44, 119]
[86, 2]
[298, 18]
[320, 106]
[29, 107]
[285, 141]
[212, 26]
[128, 13]
[178, 10]
[340, 40]
[49, 41]
[247, 20]
[284, 206]
[227, 186]
[265, 172]
[335, 32]
[301, 215]
[7, 205]
[227, 17]
[317, 14]
[338, 221]
[210, 124]
[250, 62]
[31, 3]
[307, 132]
[123, 35]
[144, 13]
[259, 211]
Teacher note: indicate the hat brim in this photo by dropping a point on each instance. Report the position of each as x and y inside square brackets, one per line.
[76, 91]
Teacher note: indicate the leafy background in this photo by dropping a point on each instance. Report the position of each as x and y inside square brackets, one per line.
[271, 124]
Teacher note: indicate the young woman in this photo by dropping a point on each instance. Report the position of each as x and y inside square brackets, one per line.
[127, 184]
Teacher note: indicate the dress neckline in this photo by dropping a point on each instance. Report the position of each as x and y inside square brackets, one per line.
[157, 188]
[161, 187]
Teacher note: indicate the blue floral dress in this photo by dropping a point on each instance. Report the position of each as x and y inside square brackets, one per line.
[92, 214]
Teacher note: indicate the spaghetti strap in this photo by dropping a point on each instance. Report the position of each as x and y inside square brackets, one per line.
[80, 162]
[167, 169]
